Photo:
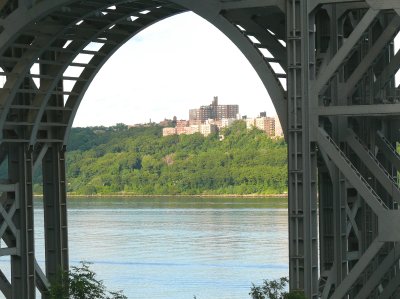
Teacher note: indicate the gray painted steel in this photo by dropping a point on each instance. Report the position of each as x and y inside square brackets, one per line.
[337, 101]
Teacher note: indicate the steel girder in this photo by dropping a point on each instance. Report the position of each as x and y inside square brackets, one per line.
[329, 67]
[357, 188]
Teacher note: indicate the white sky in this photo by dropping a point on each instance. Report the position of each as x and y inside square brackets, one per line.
[175, 65]
[397, 48]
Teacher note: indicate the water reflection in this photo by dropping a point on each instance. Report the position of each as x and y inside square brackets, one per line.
[163, 248]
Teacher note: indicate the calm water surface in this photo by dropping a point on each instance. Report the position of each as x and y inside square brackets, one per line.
[168, 248]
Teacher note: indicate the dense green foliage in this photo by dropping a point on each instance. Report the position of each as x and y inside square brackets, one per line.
[139, 161]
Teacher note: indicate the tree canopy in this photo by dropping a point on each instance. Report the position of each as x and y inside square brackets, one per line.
[138, 160]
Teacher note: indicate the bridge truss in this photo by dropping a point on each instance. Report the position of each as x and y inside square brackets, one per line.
[329, 67]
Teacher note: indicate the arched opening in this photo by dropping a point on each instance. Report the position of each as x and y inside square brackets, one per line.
[176, 64]
[204, 263]
[270, 68]
[96, 32]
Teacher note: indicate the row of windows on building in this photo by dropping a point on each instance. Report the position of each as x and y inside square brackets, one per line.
[270, 125]
[191, 127]
[213, 111]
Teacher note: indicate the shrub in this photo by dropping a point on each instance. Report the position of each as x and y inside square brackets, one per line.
[275, 289]
[81, 283]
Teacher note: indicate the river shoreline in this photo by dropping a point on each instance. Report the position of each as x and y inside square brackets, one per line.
[126, 195]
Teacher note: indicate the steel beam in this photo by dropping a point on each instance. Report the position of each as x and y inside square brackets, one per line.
[55, 212]
[351, 173]
[387, 74]
[387, 36]
[303, 255]
[387, 148]
[314, 3]
[377, 276]
[355, 273]
[384, 4]
[360, 110]
[253, 4]
[374, 166]
[23, 263]
[5, 286]
[327, 72]
[391, 288]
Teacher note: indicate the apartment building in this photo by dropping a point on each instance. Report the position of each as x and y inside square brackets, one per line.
[213, 111]
[169, 131]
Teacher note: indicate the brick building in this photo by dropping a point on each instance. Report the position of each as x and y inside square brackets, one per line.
[264, 123]
[180, 126]
[213, 111]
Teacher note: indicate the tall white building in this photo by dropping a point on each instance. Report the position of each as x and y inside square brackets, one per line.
[226, 122]
[250, 123]
[207, 129]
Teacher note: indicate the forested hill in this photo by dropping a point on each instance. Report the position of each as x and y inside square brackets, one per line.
[139, 160]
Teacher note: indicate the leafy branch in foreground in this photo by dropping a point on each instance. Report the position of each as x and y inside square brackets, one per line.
[275, 289]
[81, 283]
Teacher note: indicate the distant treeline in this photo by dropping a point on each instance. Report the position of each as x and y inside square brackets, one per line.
[138, 160]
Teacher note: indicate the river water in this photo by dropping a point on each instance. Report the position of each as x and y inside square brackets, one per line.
[175, 248]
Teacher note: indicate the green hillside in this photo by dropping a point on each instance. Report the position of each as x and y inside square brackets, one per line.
[138, 160]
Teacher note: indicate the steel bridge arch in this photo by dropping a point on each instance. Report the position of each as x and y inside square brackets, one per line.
[340, 115]
[211, 13]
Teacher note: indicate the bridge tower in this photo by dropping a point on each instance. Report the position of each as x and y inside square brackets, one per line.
[329, 67]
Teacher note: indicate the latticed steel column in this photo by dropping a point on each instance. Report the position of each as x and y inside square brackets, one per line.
[303, 240]
[357, 192]
[332, 183]
[23, 262]
[55, 211]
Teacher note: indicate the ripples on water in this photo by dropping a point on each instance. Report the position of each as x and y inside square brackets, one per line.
[176, 248]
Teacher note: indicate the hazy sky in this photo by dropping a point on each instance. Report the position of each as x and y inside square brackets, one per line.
[175, 65]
